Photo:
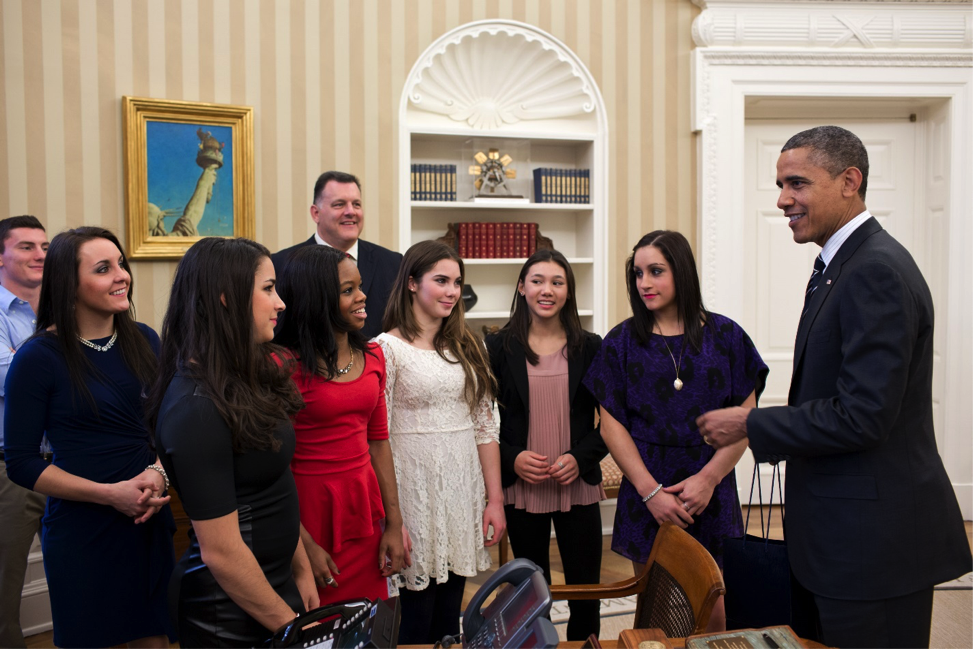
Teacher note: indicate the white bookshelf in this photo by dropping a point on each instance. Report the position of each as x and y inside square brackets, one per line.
[511, 86]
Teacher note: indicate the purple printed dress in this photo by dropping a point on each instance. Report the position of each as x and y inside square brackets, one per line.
[634, 384]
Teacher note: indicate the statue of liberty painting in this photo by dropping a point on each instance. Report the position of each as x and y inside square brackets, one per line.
[208, 210]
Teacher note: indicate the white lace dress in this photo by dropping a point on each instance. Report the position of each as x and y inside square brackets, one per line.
[437, 467]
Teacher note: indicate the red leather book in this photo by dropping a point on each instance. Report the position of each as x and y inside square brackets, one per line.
[462, 245]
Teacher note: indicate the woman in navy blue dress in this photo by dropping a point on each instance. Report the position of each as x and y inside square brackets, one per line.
[107, 531]
[656, 372]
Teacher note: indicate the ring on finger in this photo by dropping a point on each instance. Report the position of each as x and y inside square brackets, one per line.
[330, 581]
[686, 506]
[707, 440]
[560, 464]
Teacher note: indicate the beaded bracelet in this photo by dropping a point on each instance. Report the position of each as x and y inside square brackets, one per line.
[162, 472]
[646, 499]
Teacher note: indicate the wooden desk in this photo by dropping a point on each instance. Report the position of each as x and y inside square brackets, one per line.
[677, 643]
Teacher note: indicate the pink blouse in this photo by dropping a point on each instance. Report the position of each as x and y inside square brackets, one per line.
[550, 435]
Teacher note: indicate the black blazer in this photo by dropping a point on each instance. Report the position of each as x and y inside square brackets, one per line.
[871, 513]
[378, 267]
[510, 369]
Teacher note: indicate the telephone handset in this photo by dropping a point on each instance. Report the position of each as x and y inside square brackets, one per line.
[518, 615]
[355, 623]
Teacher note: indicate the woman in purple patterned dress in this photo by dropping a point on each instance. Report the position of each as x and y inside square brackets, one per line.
[656, 372]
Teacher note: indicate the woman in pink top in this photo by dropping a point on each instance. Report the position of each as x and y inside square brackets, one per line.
[550, 446]
[350, 520]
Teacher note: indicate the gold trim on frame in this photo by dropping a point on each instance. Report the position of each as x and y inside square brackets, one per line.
[135, 112]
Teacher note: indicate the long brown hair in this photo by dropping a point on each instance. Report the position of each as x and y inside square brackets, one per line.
[454, 334]
[59, 292]
[207, 334]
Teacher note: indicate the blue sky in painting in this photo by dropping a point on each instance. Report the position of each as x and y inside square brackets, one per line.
[173, 173]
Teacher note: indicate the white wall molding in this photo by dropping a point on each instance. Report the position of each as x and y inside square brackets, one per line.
[726, 77]
[35, 603]
[861, 58]
[834, 24]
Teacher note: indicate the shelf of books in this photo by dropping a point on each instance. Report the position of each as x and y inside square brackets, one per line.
[545, 199]
[498, 191]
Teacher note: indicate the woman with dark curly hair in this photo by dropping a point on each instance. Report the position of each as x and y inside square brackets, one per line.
[221, 409]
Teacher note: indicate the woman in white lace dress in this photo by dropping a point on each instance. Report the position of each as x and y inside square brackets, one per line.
[439, 390]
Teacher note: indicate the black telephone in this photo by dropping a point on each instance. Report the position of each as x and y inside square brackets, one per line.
[355, 623]
[518, 615]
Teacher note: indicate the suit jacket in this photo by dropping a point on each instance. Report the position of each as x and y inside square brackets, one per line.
[870, 511]
[510, 369]
[378, 267]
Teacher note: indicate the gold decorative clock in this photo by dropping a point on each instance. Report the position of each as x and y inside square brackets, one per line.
[492, 171]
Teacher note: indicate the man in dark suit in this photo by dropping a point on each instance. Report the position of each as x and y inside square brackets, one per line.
[337, 211]
[872, 522]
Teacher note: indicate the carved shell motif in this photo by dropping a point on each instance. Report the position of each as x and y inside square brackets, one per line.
[491, 79]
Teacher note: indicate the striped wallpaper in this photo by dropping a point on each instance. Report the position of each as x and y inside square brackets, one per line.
[324, 78]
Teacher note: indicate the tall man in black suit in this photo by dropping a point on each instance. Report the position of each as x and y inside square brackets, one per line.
[872, 521]
[337, 211]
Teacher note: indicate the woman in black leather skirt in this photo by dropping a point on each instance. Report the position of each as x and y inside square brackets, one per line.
[221, 412]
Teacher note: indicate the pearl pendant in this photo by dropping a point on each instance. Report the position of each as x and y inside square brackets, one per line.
[677, 384]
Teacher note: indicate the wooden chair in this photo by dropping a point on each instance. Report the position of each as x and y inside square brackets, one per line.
[611, 480]
[676, 591]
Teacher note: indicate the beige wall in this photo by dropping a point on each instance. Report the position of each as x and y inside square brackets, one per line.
[325, 80]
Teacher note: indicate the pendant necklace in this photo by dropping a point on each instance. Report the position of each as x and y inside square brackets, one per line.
[677, 384]
[350, 363]
[99, 348]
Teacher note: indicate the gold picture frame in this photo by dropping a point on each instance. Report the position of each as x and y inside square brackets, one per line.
[188, 174]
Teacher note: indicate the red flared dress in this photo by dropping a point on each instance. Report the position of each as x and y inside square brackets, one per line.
[341, 503]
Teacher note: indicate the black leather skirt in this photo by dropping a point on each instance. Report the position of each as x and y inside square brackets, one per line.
[204, 614]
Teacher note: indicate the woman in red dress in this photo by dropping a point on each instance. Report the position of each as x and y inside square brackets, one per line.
[350, 520]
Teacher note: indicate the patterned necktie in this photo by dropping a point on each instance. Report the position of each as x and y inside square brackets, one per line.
[812, 284]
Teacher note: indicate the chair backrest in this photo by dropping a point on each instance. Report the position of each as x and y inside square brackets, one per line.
[676, 590]
[682, 584]
[611, 477]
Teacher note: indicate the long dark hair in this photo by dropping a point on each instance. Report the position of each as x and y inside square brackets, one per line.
[310, 288]
[208, 335]
[689, 301]
[453, 334]
[520, 317]
[59, 292]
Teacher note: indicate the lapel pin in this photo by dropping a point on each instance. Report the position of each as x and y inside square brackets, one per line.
[828, 282]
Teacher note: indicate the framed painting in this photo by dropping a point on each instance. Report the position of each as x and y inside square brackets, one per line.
[188, 174]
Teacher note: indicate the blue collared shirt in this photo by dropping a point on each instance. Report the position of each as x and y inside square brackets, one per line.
[833, 245]
[17, 324]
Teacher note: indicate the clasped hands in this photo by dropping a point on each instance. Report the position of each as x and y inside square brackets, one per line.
[140, 497]
[678, 503]
[534, 468]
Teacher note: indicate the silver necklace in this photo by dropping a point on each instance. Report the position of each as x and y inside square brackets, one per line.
[347, 369]
[677, 384]
[99, 348]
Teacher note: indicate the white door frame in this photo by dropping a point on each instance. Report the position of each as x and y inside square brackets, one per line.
[725, 76]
